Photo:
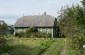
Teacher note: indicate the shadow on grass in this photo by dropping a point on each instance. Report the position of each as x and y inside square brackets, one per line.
[20, 50]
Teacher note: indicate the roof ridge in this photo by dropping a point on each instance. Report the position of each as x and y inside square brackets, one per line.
[37, 20]
[36, 15]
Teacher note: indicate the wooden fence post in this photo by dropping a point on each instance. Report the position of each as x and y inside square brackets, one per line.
[84, 49]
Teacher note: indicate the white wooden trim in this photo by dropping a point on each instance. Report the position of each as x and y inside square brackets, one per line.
[52, 32]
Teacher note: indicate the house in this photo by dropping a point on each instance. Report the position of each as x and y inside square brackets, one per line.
[43, 23]
[10, 30]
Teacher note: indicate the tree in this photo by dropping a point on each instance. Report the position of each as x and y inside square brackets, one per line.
[83, 3]
[3, 28]
[72, 24]
[3, 44]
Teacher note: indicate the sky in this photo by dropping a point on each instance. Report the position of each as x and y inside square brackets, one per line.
[11, 10]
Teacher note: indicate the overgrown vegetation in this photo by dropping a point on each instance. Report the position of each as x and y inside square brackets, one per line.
[3, 44]
[33, 46]
[72, 25]
[70, 50]
[32, 32]
[3, 28]
[55, 48]
[28, 46]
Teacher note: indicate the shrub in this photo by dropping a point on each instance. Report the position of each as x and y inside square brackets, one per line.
[37, 35]
[77, 44]
[32, 32]
[43, 35]
[32, 29]
[3, 45]
[3, 28]
[20, 34]
[33, 35]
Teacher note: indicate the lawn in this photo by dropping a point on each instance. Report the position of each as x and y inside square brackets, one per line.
[33, 46]
[70, 51]
[55, 48]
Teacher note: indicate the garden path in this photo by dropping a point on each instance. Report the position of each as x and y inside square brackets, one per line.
[50, 49]
[63, 52]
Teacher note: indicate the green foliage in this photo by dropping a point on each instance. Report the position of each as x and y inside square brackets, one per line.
[34, 46]
[33, 33]
[70, 50]
[83, 3]
[28, 46]
[32, 29]
[55, 48]
[3, 45]
[72, 25]
[77, 44]
[20, 34]
[3, 29]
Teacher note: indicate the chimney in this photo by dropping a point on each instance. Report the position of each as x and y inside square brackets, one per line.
[44, 13]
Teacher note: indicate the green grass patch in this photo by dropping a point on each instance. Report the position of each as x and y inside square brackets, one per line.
[70, 50]
[55, 48]
[34, 46]
[28, 46]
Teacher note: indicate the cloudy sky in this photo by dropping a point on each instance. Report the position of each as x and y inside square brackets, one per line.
[11, 10]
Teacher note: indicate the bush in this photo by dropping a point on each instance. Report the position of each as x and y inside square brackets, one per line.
[33, 35]
[3, 45]
[3, 28]
[43, 35]
[20, 34]
[32, 29]
[32, 32]
[77, 44]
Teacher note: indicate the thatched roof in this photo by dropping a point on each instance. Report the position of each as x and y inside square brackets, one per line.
[35, 21]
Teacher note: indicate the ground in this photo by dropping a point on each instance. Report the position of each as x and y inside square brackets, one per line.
[63, 52]
[35, 46]
[55, 48]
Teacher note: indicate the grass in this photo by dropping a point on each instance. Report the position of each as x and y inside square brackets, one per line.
[34, 46]
[70, 51]
[56, 47]
[28, 46]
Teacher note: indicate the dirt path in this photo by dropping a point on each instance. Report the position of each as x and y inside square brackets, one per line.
[54, 49]
[50, 49]
[63, 52]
